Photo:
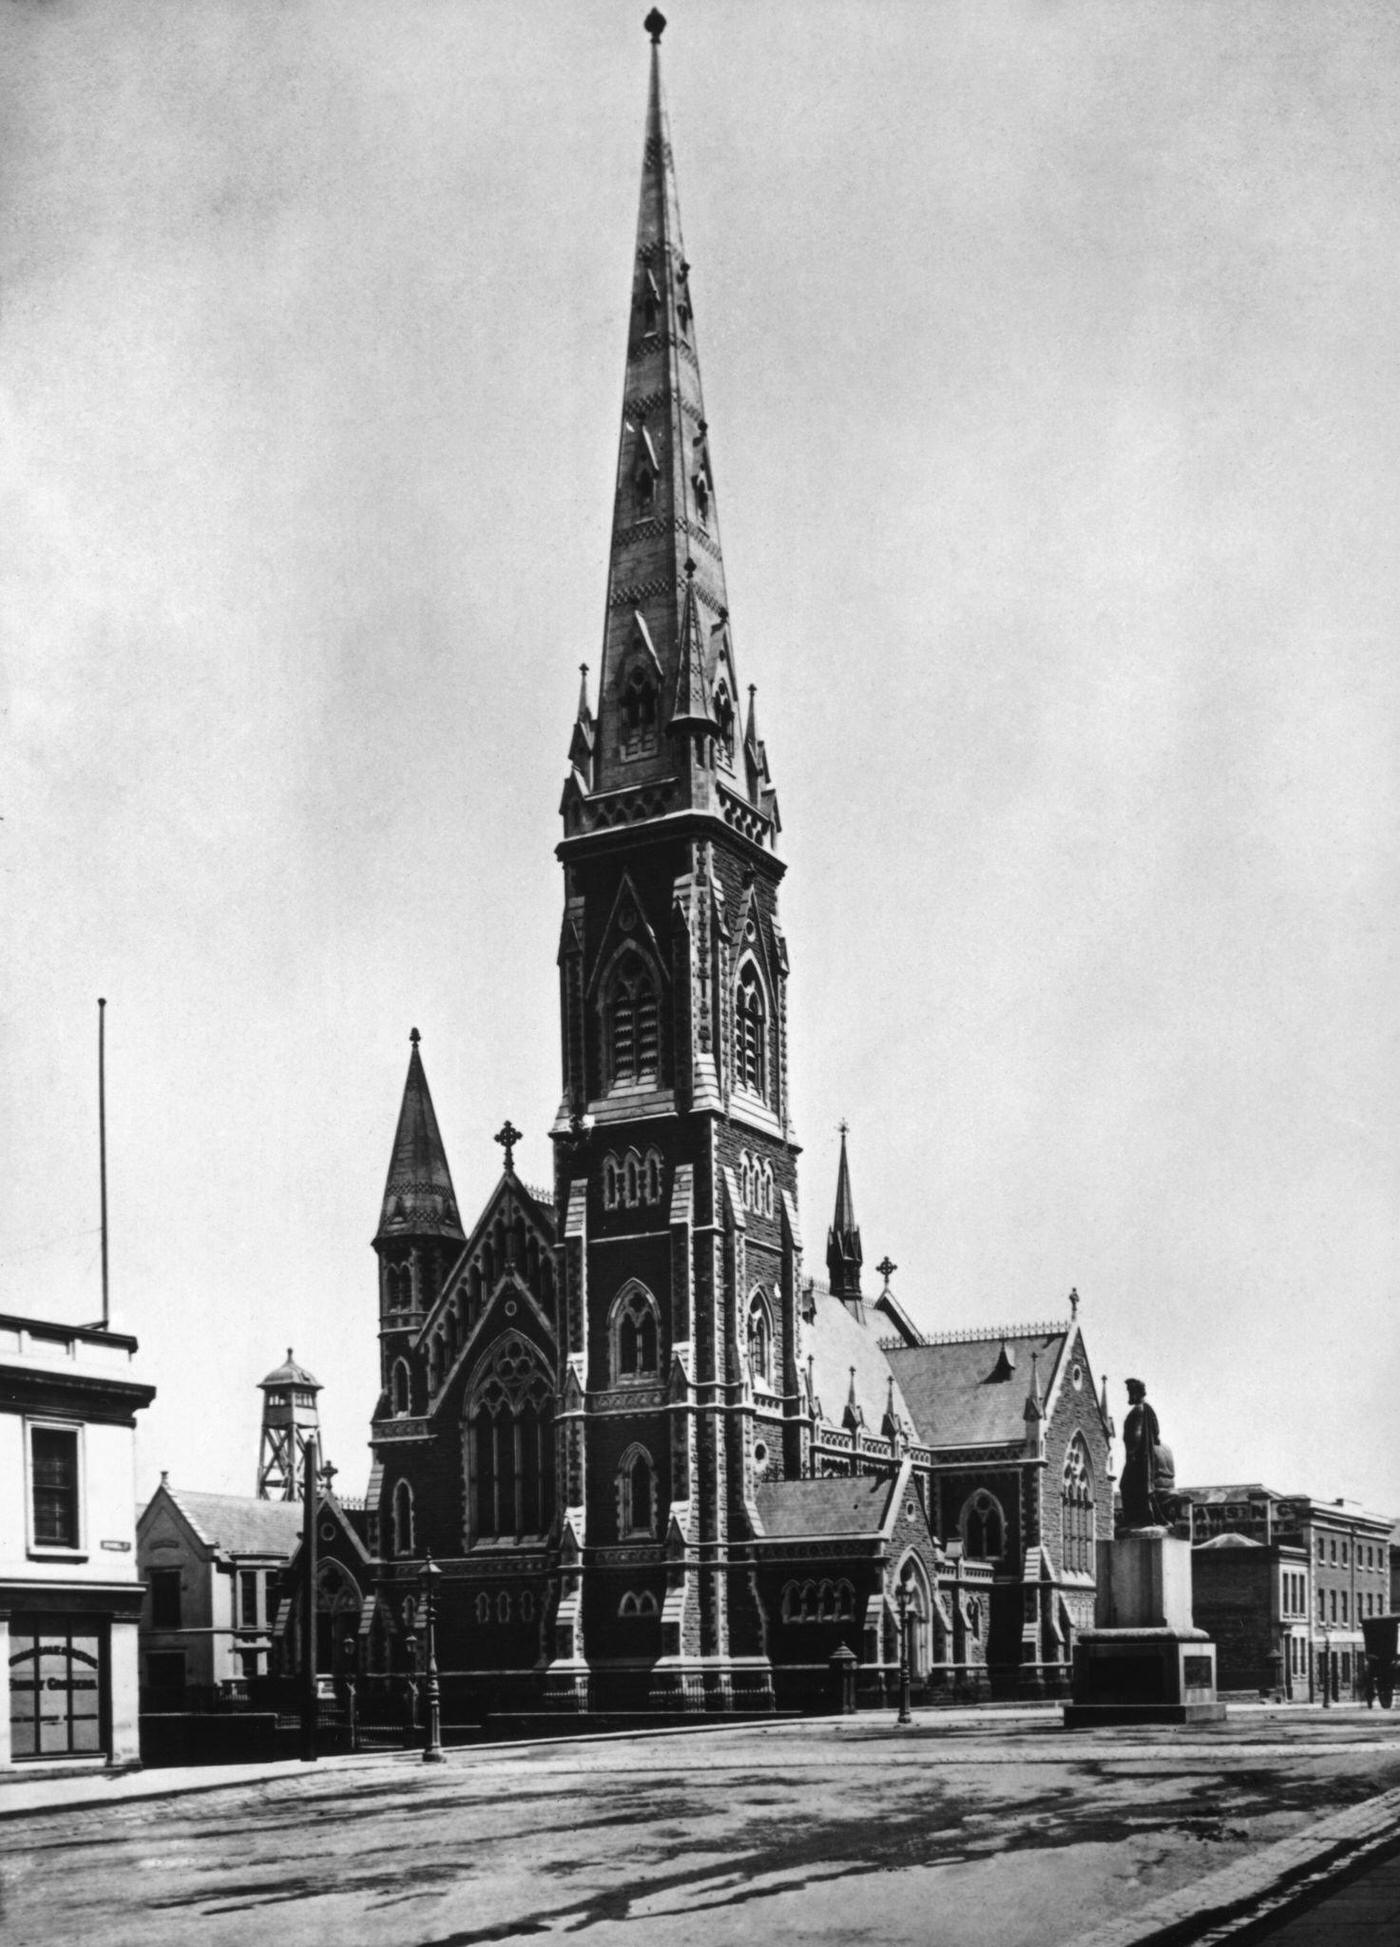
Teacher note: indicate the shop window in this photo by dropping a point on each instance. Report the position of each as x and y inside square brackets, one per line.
[57, 1689]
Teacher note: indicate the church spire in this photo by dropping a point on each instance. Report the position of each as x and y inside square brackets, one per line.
[668, 697]
[843, 1252]
[419, 1200]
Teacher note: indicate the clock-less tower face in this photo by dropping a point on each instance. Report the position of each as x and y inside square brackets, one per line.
[675, 1154]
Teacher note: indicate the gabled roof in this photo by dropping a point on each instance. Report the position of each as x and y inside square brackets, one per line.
[238, 1524]
[838, 1341]
[855, 1505]
[968, 1392]
[1230, 1541]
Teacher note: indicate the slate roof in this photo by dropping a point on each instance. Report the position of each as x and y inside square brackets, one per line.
[972, 1392]
[854, 1505]
[241, 1524]
[419, 1200]
[289, 1373]
[837, 1341]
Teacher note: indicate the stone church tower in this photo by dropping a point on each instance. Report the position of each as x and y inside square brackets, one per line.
[676, 1178]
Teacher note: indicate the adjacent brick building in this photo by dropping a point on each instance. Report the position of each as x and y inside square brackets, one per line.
[1345, 1571]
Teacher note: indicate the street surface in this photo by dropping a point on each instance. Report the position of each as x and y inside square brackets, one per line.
[982, 1834]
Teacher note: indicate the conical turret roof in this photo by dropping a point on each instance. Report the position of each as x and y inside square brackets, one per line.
[289, 1373]
[843, 1252]
[419, 1200]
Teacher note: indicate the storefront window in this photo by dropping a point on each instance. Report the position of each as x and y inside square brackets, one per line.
[56, 1690]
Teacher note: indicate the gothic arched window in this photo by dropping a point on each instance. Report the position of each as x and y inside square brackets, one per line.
[635, 1334]
[751, 1034]
[983, 1527]
[634, 1024]
[399, 1389]
[636, 1493]
[1077, 1509]
[510, 1416]
[637, 712]
[612, 1182]
[403, 1519]
[653, 1176]
[760, 1339]
[724, 717]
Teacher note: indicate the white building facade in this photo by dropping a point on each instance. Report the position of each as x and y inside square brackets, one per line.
[70, 1595]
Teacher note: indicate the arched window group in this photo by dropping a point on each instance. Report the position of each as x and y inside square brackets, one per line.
[398, 1286]
[1077, 1509]
[816, 1602]
[511, 1442]
[632, 1179]
[637, 709]
[636, 1603]
[499, 1611]
[634, 1024]
[636, 1494]
[756, 1191]
[760, 1338]
[636, 1334]
[983, 1528]
[751, 1034]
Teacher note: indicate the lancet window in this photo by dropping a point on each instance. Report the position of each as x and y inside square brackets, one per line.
[760, 1339]
[634, 1023]
[751, 1033]
[636, 1493]
[399, 1391]
[637, 713]
[635, 1334]
[1077, 1509]
[511, 1442]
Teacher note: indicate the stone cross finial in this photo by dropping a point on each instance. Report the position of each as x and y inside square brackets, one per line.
[886, 1268]
[843, 1128]
[508, 1136]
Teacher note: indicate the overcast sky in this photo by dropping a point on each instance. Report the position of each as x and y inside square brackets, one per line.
[1050, 357]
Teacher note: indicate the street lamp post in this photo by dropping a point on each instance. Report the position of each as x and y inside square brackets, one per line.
[901, 1596]
[310, 1703]
[432, 1744]
[348, 1646]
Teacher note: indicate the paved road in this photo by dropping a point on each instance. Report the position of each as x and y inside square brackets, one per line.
[1362, 1911]
[979, 1835]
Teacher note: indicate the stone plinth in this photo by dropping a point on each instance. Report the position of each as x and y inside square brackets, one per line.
[1145, 1662]
[1144, 1582]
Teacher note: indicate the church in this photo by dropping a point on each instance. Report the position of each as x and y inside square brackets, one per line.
[660, 1465]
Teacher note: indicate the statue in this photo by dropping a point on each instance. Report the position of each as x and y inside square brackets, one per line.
[1149, 1472]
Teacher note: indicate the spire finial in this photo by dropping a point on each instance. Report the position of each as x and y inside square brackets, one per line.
[655, 24]
[1073, 1302]
[414, 1036]
[690, 567]
[508, 1136]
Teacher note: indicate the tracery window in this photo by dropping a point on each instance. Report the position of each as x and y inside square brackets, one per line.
[635, 1334]
[1077, 1509]
[637, 712]
[751, 1034]
[511, 1442]
[636, 1493]
[983, 1527]
[634, 1024]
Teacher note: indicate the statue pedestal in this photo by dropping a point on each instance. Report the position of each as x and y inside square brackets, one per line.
[1143, 1662]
